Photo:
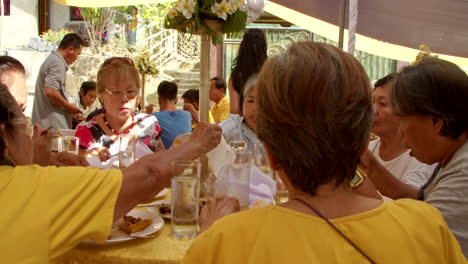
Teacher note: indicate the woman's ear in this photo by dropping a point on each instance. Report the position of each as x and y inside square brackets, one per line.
[438, 124]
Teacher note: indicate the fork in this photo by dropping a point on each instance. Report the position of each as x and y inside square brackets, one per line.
[135, 236]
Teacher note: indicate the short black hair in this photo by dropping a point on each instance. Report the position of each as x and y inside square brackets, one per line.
[385, 80]
[193, 95]
[433, 87]
[88, 86]
[71, 39]
[167, 90]
[220, 83]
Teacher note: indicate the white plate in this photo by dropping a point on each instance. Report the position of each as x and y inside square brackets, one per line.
[162, 193]
[117, 236]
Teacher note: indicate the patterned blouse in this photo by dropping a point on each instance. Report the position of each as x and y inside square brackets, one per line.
[91, 134]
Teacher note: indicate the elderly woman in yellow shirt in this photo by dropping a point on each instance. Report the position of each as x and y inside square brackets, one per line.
[314, 115]
[48, 210]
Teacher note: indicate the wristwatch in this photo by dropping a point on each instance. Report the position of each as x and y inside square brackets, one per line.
[358, 179]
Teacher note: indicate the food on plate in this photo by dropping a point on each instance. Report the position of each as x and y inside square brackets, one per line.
[165, 209]
[134, 224]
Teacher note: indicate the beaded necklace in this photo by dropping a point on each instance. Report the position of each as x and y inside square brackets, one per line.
[114, 132]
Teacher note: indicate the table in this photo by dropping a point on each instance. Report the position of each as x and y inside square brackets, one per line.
[162, 249]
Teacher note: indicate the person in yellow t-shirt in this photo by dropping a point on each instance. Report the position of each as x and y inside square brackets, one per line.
[48, 210]
[314, 114]
[220, 110]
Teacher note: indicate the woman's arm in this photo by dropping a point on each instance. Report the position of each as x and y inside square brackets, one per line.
[384, 181]
[150, 174]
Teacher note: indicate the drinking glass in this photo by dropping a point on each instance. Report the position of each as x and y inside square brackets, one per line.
[68, 143]
[239, 175]
[127, 144]
[282, 194]
[261, 160]
[231, 136]
[185, 198]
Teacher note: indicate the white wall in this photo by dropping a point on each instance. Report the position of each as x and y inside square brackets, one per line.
[21, 25]
[59, 15]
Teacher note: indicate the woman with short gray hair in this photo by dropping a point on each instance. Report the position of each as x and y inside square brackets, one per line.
[430, 99]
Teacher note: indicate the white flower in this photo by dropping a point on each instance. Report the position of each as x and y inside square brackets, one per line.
[232, 7]
[221, 9]
[254, 9]
[186, 7]
[173, 12]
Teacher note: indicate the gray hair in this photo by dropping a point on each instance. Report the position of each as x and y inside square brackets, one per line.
[249, 84]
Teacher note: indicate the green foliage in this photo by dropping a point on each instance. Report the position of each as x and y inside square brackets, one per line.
[230, 19]
[55, 36]
[235, 23]
[96, 20]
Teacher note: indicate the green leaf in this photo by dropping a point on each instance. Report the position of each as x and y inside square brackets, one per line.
[235, 22]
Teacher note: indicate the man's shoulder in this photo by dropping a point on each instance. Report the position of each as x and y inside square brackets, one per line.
[184, 114]
[224, 101]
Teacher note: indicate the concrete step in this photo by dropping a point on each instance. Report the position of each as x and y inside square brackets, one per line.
[182, 74]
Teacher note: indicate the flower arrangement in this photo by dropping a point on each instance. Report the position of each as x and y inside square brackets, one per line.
[424, 52]
[213, 17]
[54, 36]
[144, 64]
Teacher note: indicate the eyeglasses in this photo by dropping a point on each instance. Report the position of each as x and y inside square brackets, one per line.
[24, 121]
[115, 60]
[130, 93]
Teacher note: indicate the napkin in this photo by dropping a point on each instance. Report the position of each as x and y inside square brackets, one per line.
[261, 186]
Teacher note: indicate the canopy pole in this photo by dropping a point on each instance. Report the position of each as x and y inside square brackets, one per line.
[343, 4]
[204, 105]
[204, 77]
[352, 24]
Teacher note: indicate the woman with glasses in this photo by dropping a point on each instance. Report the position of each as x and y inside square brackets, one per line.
[46, 211]
[118, 88]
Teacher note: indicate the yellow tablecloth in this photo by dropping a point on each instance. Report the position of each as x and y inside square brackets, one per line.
[161, 249]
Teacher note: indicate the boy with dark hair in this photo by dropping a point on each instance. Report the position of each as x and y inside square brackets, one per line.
[172, 121]
[86, 101]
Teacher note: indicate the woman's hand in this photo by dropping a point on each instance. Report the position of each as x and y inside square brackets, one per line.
[193, 112]
[102, 153]
[149, 109]
[217, 208]
[206, 137]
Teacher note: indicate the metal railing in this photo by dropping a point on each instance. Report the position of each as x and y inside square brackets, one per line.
[168, 44]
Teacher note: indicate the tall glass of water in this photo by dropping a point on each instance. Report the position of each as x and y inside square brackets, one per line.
[239, 175]
[261, 160]
[69, 144]
[127, 144]
[185, 198]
